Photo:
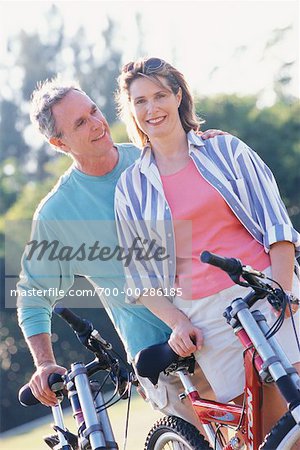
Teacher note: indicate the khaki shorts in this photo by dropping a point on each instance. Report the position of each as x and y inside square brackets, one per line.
[221, 357]
[165, 395]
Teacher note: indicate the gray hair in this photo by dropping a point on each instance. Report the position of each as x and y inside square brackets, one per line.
[47, 94]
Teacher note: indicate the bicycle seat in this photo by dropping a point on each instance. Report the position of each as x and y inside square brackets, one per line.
[158, 358]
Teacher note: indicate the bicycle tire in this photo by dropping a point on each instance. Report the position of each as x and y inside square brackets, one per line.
[283, 435]
[174, 429]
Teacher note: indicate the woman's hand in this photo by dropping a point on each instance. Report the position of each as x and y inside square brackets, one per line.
[185, 338]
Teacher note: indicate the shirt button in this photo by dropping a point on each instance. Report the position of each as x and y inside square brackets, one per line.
[170, 262]
[167, 207]
[169, 234]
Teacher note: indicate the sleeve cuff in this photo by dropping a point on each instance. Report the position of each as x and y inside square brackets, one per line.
[34, 321]
[282, 232]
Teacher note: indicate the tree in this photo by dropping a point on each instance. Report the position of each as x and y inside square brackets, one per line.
[97, 75]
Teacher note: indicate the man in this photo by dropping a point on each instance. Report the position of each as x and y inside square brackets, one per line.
[78, 216]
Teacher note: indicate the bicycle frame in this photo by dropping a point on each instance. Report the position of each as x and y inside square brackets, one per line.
[247, 418]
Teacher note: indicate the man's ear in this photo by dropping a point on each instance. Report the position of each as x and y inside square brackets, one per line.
[57, 142]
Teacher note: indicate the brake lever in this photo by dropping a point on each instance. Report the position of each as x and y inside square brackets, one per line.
[248, 270]
[97, 337]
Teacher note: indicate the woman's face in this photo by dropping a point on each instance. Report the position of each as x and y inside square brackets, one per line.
[155, 107]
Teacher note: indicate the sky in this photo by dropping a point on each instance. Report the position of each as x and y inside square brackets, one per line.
[220, 46]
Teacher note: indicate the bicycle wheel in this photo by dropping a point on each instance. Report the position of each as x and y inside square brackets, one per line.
[283, 436]
[173, 433]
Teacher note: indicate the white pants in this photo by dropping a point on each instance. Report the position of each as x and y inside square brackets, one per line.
[221, 357]
[165, 395]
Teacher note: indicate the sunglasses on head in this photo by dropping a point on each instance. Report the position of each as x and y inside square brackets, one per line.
[149, 66]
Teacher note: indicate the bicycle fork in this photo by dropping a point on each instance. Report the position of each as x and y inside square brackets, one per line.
[94, 427]
[59, 427]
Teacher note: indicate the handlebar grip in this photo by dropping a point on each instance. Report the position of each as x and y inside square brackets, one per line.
[26, 397]
[78, 324]
[230, 265]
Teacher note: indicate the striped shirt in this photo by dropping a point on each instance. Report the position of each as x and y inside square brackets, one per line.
[233, 169]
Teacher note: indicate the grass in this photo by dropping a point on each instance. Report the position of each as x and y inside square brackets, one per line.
[142, 417]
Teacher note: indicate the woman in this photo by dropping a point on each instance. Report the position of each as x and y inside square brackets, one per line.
[185, 195]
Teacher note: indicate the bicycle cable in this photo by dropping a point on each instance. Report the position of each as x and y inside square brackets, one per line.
[127, 415]
[279, 322]
[219, 435]
[101, 386]
[108, 403]
[294, 325]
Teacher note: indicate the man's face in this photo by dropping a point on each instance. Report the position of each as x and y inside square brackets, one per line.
[85, 131]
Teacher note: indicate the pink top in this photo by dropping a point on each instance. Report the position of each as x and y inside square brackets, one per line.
[203, 221]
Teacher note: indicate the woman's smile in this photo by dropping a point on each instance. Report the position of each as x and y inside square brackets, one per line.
[156, 121]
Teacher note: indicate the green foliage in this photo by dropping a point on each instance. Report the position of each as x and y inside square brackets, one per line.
[118, 132]
[33, 192]
[11, 140]
[11, 183]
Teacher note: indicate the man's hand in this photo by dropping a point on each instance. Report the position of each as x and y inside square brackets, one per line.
[185, 338]
[39, 383]
[209, 134]
[41, 349]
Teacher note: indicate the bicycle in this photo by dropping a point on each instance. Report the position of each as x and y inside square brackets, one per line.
[265, 362]
[94, 430]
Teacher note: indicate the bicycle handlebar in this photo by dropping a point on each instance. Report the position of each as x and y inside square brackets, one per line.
[235, 269]
[79, 325]
[94, 342]
[230, 265]
[26, 397]
[83, 329]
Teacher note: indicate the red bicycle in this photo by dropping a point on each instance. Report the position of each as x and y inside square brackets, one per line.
[265, 362]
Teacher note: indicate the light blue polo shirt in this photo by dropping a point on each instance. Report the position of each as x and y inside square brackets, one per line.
[73, 234]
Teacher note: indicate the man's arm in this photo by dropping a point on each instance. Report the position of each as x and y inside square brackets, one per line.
[34, 311]
[41, 349]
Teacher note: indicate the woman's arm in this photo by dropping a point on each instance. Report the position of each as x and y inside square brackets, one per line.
[185, 338]
[282, 255]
